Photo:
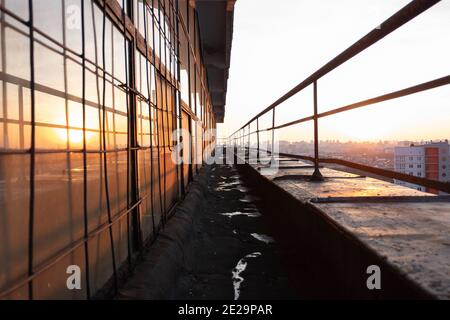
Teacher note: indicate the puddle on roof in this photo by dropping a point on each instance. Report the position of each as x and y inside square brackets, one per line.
[222, 189]
[263, 238]
[236, 273]
[243, 189]
[249, 199]
[253, 214]
[227, 186]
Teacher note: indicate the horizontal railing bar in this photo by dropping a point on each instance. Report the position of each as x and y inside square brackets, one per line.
[438, 185]
[385, 97]
[248, 134]
[404, 15]
[310, 118]
[442, 186]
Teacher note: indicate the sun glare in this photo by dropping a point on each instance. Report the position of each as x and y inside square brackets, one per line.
[75, 137]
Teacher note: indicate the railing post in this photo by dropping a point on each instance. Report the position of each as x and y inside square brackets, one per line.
[273, 136]
[235, 149]
[240, 139]
[240, 143]
[257, 140]
[316, 176]
[243, 142]
[249, 134]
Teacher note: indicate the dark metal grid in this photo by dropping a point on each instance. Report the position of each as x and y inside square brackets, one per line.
[129, 213]
[158, 140]
[159, 121]
[105, 159]
[31, 272]
[85, 191]
[32, 154]
[407, 13]
[192, 56]
[166, 104]
[130, 34]
[152, 207]
[35, 271]
[181, 189]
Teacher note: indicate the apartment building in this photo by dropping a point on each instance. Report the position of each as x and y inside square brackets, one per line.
[429, 160]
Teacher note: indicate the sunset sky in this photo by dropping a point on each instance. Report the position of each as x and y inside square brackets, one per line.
[278, 44]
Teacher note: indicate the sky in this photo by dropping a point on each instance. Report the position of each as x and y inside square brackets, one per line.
[277, 44]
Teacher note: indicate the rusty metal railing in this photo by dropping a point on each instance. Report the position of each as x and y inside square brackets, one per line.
[404, 15]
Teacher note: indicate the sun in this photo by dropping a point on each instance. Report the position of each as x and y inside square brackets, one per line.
[73, 136]
[76, 136]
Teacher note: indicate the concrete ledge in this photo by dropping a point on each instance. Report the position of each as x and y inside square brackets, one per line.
[331, 261]
[155, 277]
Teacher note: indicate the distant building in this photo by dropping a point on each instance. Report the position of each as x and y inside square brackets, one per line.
[429, 160]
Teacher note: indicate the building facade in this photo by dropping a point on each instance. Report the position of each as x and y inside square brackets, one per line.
[429, 160]
[91, 94]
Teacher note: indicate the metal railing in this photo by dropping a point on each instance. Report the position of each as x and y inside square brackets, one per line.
[404, 15]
